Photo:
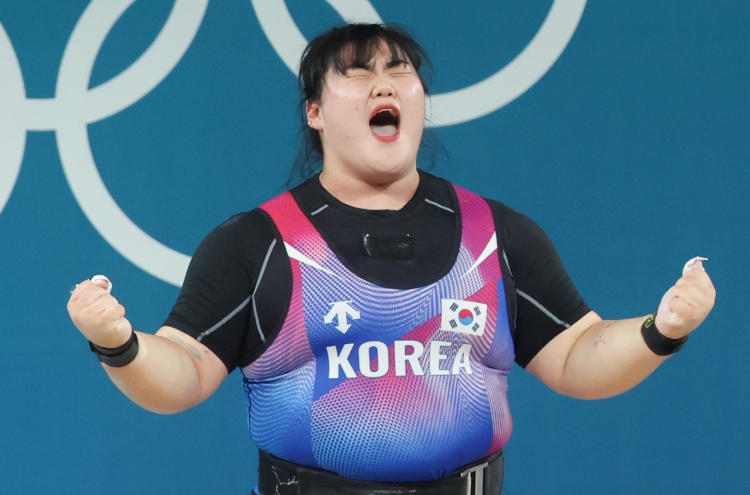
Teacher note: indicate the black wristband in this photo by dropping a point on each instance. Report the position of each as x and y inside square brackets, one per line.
[119, 356]
[658, 343]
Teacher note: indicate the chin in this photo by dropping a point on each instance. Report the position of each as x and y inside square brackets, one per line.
[387, 173]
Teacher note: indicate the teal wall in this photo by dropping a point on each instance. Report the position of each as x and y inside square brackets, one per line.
[631, 150]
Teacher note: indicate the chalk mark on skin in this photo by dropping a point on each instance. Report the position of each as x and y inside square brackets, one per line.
[292, 481]
[190, 348]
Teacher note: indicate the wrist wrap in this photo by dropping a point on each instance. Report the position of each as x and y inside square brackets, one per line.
[658, 343]
[119, 356]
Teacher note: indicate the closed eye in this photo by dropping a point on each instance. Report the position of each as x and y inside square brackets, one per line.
[357, 72]
[400, 69]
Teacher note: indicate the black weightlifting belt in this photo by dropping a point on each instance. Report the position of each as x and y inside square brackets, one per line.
[278, 477]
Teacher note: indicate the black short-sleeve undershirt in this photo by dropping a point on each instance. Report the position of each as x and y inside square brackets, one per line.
[216, 307]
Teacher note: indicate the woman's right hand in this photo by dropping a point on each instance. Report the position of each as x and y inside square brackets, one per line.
[98, 315]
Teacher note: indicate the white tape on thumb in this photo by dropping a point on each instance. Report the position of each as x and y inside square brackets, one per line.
[99, 278]
[690, 264]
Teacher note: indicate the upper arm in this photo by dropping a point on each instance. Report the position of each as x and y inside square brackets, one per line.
[215, 304]
[549, 363]
[546, 300]
[210, 370]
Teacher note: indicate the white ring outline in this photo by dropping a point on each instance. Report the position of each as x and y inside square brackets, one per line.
[454, 107]
[12, 132]
[116, 94]
[75, 105]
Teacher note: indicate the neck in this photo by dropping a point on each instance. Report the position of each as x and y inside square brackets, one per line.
[389, 194]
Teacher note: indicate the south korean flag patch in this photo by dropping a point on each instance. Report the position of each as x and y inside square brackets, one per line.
[463, 317]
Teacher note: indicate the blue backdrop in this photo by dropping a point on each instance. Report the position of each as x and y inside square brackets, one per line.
[129, 129]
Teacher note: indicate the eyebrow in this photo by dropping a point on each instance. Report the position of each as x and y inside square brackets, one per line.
[395, 62]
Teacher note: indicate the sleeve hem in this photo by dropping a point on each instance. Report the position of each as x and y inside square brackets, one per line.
[213, 346]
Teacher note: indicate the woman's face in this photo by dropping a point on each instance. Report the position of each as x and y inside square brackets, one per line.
[371, 119]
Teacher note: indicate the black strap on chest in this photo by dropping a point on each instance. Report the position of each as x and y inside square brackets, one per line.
[278, 477]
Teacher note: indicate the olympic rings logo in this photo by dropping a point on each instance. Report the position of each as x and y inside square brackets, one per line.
[75, 105]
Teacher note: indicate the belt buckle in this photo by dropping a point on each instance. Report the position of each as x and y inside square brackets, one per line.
[475, 476]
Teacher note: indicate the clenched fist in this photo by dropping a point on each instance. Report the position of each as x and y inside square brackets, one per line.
[687, 303]
[98, 315]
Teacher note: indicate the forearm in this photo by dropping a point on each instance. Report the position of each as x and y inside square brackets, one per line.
[163, 377]
[170, 371]
[609, 357]
[594, 359]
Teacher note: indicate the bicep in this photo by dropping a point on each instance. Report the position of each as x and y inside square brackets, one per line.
[547, 302]
[549, 363]
[210, 370]
[214, 304]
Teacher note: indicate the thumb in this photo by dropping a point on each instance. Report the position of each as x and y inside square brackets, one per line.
[665, 318]
[124, 327]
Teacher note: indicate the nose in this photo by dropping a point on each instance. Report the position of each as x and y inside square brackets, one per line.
[383, 86]
[384, 91]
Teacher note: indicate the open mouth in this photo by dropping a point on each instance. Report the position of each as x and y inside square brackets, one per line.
[384, 124]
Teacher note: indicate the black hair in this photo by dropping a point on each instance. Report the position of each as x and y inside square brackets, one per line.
[339, 49]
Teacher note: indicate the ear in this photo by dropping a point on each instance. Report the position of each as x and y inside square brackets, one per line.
[314, 117]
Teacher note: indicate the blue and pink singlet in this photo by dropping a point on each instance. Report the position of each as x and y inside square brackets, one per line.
[382, 384]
